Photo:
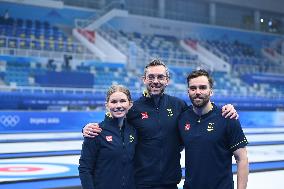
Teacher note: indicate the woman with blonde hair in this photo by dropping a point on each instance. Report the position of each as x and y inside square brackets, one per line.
[106, 161]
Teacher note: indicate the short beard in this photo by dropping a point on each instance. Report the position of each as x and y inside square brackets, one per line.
[202, 105]
[163, 87]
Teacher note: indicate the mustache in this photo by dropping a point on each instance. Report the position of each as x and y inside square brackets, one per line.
[156, 85]
[198, 97]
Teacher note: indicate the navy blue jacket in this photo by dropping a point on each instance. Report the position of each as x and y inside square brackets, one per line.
[157, 155]
[209, 141]
[106, 161]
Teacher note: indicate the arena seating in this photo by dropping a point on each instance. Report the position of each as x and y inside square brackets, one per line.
[25, 72]
[162, 46]
[243, 57]
[33, 84]
[89, 81]
[35, 35]
[166, 47]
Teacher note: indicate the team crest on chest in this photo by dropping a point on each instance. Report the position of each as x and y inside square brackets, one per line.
[187, 127]
[170, 112]
[131, 138]
[144, 115]
[210, 127]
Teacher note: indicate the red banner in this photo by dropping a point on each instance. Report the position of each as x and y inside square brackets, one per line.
[90, 35]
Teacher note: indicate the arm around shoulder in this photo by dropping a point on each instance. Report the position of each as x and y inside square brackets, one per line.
[91, 130]
[229, 111]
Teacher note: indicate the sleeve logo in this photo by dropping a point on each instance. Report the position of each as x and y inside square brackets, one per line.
[170, 112]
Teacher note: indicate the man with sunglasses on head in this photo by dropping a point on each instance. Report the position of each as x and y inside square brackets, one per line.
[155, 118]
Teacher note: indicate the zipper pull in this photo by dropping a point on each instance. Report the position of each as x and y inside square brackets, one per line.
[199, 120]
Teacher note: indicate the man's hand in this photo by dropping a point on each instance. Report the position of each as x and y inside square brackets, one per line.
[229, 111]
[91, 130]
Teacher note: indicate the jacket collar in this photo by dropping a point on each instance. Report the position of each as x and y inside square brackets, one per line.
[155, 99]
[214, 108]
[146, 94]
[112, 120]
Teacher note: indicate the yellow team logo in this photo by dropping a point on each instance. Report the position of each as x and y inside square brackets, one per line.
[146, 93]
[210, 127]
[170, 112]
[108, 114]
[131, 138]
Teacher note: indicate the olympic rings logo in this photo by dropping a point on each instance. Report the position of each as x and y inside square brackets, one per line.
[9, 120]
